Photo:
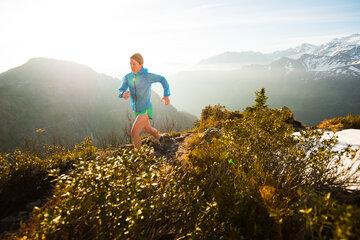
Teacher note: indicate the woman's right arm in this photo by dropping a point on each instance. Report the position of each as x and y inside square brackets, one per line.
[123, 87]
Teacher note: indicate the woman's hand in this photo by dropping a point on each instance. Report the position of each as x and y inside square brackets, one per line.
[166, 100]
[126, 95]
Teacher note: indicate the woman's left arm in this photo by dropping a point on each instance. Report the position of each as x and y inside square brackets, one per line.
[158, 78]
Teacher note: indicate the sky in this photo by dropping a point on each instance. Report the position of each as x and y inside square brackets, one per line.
[170, 34]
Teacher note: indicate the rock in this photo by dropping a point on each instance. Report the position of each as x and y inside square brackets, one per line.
[127, 146]
[290, 120]
[23, 214]
[211, 133]
[31, 205]
[181, 138]
[9, 223]
[166, 140]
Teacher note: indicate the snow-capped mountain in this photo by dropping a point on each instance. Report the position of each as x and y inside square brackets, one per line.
[334, 47]
[338, 57]
[341, 56]
[320, 66]
[339, 52]
[339, 45]
[294, 53]
[287, 65]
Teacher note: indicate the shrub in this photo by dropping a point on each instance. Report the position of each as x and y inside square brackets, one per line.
[340, 123]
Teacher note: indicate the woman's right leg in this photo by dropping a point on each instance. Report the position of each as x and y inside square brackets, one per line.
[138, 125]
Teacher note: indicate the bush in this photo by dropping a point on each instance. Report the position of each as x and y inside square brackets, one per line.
[129, 195]
[340, 123]
[25, 177]
[214, 116]
[272, 173]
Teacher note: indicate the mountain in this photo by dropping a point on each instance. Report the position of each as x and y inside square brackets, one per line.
[317, 82]
[237, 57]
[338, 53]
[69, 101]
[337, 57]
[339, 45]
[295, 52]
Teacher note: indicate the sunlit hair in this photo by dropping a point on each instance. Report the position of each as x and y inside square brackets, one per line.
[137, 57]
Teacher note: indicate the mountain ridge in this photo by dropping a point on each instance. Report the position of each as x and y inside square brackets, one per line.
[338, 52]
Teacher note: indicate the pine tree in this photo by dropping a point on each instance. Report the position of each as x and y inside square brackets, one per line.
[260, 101]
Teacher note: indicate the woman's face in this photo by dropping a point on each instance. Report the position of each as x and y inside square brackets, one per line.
[135, 66]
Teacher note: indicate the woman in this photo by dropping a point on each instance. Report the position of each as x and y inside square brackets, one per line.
[139, 82]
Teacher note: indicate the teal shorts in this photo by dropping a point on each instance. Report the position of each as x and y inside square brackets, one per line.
[149, 112]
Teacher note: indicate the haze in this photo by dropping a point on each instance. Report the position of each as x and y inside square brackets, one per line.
[171, 35]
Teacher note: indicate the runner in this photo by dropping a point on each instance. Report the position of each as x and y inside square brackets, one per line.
[139, 82]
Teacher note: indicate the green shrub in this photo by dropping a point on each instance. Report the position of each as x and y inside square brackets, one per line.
[25, 177]
[340, 123]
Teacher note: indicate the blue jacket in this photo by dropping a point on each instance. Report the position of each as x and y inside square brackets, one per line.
[140, 92]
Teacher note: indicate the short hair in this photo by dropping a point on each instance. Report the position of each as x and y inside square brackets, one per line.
[137, 57]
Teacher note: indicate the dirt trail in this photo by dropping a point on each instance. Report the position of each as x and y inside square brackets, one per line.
[173, 148]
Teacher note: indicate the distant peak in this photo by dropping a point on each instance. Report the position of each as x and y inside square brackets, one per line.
[307, 44]
[353, 38]
[52, 61]
[45, 59]
[39, 59]
[239, 53]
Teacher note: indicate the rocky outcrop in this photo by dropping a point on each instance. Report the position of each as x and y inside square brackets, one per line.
[298, 126]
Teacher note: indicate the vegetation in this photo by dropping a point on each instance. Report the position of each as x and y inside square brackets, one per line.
[254, 180]
[340, 123]
[261, 98]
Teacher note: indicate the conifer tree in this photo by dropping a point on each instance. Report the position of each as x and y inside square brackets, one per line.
[260, 101]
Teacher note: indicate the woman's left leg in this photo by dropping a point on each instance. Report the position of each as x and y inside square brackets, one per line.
[153, 131]
[148, 128]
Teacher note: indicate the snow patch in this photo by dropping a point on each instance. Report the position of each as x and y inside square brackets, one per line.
[348, 138]
[321, 63]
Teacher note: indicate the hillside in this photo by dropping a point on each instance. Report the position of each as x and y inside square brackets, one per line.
[61, 102]
[235, 175]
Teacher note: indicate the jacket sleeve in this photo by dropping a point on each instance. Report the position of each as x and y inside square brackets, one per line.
[153, 78]
[123, 87]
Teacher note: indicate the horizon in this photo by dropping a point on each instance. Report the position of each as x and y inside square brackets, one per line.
[189, 30]
[229, 51]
